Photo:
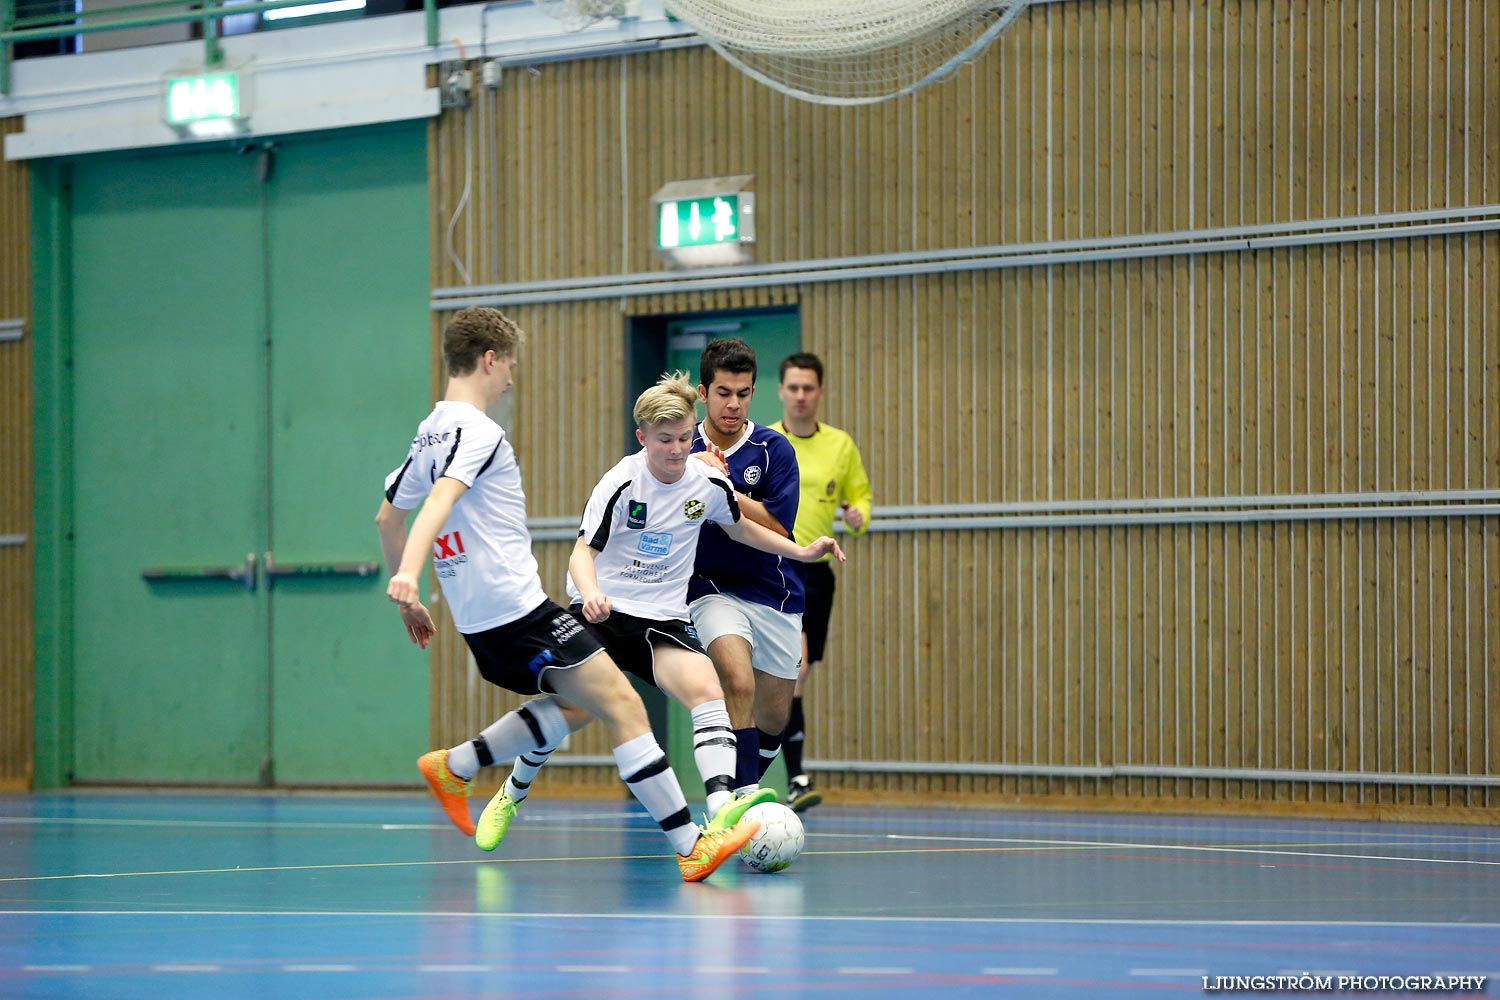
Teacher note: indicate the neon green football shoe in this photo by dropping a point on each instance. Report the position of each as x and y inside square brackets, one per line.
[728, 817]
[495, 820]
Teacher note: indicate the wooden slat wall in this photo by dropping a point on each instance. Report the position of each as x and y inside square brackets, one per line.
[15, 474]
[1340, 645]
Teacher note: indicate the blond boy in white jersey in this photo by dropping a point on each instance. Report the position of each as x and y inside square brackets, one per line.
[462, 471]
[628, 579]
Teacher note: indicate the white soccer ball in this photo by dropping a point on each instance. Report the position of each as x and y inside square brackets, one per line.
[778, 842]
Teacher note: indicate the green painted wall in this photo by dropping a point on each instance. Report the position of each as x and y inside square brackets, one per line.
[231, 370]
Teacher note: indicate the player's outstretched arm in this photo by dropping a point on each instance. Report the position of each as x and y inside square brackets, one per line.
[760, 537]
[596, 605]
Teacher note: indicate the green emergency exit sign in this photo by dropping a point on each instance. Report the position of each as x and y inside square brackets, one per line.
[214, 97]
[696, 222]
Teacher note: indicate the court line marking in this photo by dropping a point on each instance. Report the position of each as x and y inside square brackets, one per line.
[789, 918]
[226, 824]
[1316, 828]
[196, 824]
[337, 867]
[1017, 844]
[1387, 836]
[1275, 852]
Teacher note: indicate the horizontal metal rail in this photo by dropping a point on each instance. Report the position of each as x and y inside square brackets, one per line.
[73, 16]
[1349, 229]
[1263, 515]
[12, 329]
[10, 541]
[1107, 771]
[70, 23]
[1263, 508]
[320, 571]
[1188, 503]
[178, 16]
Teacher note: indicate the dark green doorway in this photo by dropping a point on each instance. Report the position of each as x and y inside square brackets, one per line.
[658, 344]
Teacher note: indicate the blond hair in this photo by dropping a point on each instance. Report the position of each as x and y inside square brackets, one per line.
[671, 398]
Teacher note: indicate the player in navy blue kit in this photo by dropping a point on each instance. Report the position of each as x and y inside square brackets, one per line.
[747, 605]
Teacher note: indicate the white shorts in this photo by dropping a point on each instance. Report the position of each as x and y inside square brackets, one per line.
[775, 637]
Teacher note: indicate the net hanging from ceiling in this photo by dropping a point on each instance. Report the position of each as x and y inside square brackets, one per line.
[831, 51]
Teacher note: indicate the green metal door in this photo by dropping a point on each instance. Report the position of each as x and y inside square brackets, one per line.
[168, 474]
[250, 347]
[349, 288]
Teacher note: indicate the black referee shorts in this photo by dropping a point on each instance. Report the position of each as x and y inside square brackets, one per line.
[818, 581]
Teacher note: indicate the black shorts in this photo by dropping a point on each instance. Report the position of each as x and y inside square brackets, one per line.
[818, 581]
[514, 655]
[629, 639]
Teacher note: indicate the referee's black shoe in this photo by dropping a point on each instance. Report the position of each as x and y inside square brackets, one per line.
[801, 795]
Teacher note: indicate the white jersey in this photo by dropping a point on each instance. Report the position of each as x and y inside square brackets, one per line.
[646, 534]
[483, 557]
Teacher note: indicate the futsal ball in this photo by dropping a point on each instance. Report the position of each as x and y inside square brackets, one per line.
[778, 842]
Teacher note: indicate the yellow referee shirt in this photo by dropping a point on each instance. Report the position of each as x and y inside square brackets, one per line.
[832, 472]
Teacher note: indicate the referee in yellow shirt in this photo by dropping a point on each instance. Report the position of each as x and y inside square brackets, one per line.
[833, 478]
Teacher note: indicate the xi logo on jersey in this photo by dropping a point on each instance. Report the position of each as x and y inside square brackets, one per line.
[635, 517]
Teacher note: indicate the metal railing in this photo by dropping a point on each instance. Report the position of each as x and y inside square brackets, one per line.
[65, 24]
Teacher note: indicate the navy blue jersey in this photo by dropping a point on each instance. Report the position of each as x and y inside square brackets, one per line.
[763, 467]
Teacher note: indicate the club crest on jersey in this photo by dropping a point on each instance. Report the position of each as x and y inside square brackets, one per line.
[693, 509]
[752, 475]
[636, 516]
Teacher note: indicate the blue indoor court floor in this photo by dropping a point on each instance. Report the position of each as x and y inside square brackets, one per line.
[142, 896]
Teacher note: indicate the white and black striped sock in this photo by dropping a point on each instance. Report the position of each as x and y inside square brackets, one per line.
[650, 779]
[536, 726]
[518, 783]
[714, 752]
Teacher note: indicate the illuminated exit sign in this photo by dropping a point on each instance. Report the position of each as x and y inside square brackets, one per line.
[700, 221]
[705, 222]
[212, 98]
